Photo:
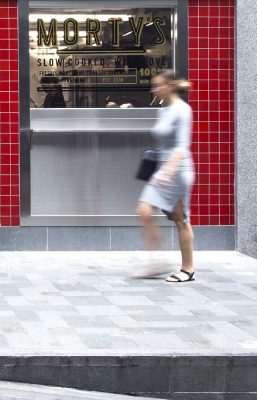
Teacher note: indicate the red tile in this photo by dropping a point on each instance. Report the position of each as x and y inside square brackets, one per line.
[15, 211]
[203, 11]
[214, 210]
[204, 220]
[203, 116]
[214, 147]
[5, 128]
[204, 43]
[203, 53]
[15, 159]
[5, 200]
[15, 221]
[214, 32]
[15, 190]
[5, 211]
[232, 220]
[5, 149]
[224, 168]
[193, 33]
[203, 33]
[214, 220]
[224, 11]
[13, 12]
[224, 199]
[224, 210]
[4, 96]
[193, 22]
[4, 117]
[15, 169]
[3, 12]
[5, 190]
[214, 74]
[203, 189]
[193, 54]
[5, 169]
[15, 180]
[193, 64]
[214, 199]
[4, 75]
[214, 12]
[5, 221]
[193, 12]
[195, 220]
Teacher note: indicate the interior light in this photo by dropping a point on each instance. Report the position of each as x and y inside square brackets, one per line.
[128, 33]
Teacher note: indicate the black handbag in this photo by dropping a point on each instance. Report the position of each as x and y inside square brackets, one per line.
[148, 164]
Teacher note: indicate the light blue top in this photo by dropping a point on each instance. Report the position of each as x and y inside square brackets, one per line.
[173, 130]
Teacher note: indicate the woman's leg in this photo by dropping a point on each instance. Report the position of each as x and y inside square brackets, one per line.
[152, 232]
[186, 240]
[186, 237]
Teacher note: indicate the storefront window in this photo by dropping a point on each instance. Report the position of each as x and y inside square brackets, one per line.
[96, 59]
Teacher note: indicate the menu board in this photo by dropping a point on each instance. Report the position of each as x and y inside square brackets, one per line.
[80, 58]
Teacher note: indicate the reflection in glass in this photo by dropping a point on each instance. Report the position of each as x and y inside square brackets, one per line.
[95, 60]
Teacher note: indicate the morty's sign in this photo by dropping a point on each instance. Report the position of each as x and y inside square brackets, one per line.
[47, 33]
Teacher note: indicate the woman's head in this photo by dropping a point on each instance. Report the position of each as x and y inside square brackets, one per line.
[166, 83]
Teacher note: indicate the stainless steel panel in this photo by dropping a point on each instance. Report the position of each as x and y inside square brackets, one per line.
[79, 175]
[92, 120]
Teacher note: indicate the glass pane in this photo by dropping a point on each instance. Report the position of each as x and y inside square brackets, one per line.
[94, 59]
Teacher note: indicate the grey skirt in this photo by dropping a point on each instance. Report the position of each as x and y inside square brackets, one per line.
[167, 197]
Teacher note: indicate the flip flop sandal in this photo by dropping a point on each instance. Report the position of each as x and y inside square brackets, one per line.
[176, 279]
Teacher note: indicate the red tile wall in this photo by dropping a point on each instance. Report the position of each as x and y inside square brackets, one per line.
[9, 115]
[211, 69]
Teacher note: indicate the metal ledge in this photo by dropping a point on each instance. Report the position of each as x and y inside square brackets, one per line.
[92, 120]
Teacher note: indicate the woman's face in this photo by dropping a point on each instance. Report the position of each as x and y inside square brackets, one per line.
[160, 87]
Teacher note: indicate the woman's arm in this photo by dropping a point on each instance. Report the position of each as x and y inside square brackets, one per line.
[179, 152]
[170, 167]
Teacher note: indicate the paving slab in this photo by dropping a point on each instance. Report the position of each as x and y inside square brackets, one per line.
[79, 320]
[21, 391]
[87, 303]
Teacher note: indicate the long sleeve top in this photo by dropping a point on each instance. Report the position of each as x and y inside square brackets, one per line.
[173, 131]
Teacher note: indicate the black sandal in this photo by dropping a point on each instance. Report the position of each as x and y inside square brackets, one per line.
[190, 277]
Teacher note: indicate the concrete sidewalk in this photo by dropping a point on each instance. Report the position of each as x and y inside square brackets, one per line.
[86, 302]
[79, 320]
[21, 391]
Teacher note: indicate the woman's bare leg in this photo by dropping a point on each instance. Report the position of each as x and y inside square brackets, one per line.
[186, 240]
[152, 232]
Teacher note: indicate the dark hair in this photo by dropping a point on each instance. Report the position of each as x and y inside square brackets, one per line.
[181, 86]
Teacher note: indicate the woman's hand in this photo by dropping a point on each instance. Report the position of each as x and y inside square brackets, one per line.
[161, 178]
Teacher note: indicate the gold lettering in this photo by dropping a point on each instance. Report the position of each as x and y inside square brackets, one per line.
[43, 37]
[137, 29]
[161, 39]
[93, 31]
[71, 24]
[115, 30]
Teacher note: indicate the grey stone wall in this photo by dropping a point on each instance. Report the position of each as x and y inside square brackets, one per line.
[107, 238]
[246, 116]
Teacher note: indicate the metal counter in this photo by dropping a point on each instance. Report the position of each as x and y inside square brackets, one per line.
[83, 165]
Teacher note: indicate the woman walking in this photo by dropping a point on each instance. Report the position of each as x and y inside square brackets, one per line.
[169, 188]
